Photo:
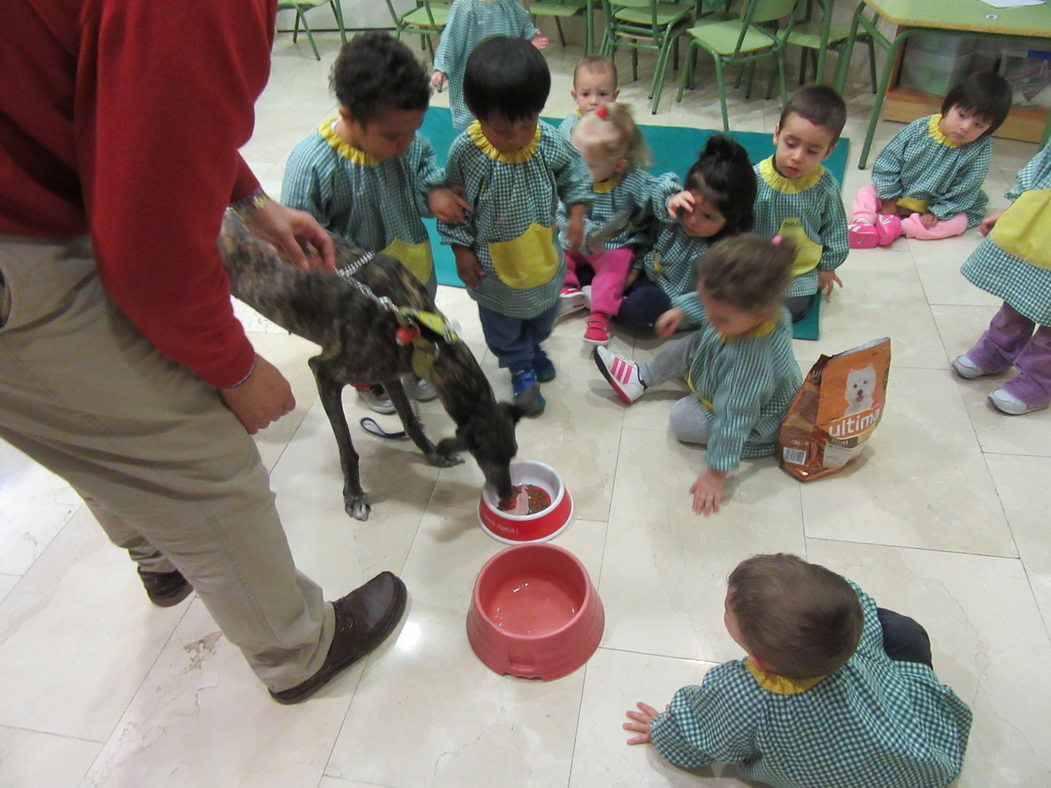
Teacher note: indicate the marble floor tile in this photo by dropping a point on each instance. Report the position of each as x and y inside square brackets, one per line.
[939, 270]
[78, 636]
[921, 480]
[7, 582]
[991, 648]
[33, 758]
[200, 691]
[615, 682]
[37, 503]
[664, 571]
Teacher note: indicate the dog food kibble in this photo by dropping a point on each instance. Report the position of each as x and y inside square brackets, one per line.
[529, 499]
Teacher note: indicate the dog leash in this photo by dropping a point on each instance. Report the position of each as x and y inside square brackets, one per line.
[371, 426]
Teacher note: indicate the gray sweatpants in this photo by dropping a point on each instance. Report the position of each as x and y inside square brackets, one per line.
[689, 419]
[167, 470]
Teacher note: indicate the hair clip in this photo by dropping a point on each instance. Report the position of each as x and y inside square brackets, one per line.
[776, 240]
[603, 112]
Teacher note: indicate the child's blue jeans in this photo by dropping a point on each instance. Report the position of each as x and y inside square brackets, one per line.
[515, 341]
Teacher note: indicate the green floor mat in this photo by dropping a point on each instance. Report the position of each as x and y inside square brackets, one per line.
[809, 327]
[675, 149]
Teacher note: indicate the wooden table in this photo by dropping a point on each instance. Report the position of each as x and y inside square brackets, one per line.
[955, 17]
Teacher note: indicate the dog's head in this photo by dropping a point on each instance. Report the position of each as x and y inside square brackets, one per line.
[490, 438]
[861, 384]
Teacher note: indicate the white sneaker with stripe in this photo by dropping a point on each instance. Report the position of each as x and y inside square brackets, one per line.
[621, 373]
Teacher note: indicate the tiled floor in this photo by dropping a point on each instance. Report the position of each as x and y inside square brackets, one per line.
[946, 518]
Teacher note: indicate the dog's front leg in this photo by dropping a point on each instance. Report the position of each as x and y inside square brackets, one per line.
[331, 390]
[414, 429]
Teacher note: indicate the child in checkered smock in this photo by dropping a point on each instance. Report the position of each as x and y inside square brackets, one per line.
[469, 22]
[739, 364]
[513, 170]
[799, 199]
[834, 692]
[366, 175]
[594, 86]
[927, 182]
[716, 203]
[615, 152]
[1014, 263]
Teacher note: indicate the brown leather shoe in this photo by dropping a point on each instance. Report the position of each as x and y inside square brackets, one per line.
[165, 588]
[364, 618]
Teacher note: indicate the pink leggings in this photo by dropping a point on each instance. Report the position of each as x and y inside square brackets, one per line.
[611, 272]
[866, 206]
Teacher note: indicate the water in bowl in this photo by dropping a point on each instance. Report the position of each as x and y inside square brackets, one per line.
[534, 604]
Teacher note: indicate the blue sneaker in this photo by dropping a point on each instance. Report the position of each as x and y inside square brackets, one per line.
[544, 368]
[527, 392]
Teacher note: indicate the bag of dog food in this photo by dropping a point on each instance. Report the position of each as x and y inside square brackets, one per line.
[836, 410]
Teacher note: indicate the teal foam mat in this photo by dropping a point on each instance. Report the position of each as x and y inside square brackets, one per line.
[674, 148]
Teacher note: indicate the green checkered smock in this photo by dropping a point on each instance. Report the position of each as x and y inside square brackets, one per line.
[468, 23]
[374, 204]
[512, 227]
[924, 165]
[630, 191]
[874, 723]
[671, 263]
[745, 383]
[565, 128]
[809, 212]
[1020, 276]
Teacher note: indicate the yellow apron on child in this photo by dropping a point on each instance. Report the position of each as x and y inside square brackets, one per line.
[808, 253]
[528, 261]
[416, 257]
[1025, 228]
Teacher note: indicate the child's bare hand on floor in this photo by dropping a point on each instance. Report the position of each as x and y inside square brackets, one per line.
[707, 492]
[447, 206]
[825, 282]
[641, 722]
[669, 322]
[468, 268]
[989, 222]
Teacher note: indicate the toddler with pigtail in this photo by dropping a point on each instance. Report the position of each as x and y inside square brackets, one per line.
[616, 154]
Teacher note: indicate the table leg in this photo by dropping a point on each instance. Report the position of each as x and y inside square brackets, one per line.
[589, 28]
[846, 51]
[881, 92]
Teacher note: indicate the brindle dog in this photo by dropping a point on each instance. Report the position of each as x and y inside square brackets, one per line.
[358, 345]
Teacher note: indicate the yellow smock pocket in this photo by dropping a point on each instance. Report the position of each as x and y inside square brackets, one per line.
[912, 204]
[416, 257]
[528, 261]
[1025, 228]
[808, 253]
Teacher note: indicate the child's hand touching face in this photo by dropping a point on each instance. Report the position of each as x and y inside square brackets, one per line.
[699, 217]
[641, 722]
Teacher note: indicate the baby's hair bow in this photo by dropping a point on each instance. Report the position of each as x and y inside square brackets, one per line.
[603, 112]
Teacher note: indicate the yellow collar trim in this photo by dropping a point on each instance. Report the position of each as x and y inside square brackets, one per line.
[760, 330]
[936, 133]
[779, 182]
[474, 131]
[608, 185]
[781, 685]
[344, 148]
[578, 113]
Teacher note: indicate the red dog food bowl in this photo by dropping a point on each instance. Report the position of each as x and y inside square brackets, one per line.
[538, 527]
[534, 613]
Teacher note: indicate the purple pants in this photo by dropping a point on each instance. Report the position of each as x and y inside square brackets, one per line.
[611, 272]
[1010, 341]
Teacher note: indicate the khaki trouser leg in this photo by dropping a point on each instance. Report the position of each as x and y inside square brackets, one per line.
[162, 464]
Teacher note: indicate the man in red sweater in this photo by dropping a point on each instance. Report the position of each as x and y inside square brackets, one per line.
[122, 366]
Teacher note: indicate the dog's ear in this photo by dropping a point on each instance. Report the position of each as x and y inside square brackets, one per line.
[452, 445]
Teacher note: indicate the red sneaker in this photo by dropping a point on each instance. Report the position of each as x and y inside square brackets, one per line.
[598, 329]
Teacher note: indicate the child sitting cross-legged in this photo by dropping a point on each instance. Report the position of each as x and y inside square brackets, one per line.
[366, 175]
[834, 692]
[513, 170]
[739, 365]
[799, 199]
[926, 184]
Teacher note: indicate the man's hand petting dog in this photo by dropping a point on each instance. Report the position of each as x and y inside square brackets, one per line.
[292, 231]
[447, 206]
[262, 398]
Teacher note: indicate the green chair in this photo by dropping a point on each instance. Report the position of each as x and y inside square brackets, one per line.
[301, 7]
[560, 9]
[427, 19]
[759, 32]
[648, 25]
[816, 37]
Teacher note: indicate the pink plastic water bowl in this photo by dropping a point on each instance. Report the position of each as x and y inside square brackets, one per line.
[537, 527]
[534, 613]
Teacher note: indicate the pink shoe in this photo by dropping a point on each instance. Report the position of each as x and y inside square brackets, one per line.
[889, 229]
[598, 329]
[862, 236]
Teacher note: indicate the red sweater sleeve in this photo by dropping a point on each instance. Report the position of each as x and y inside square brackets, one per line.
[164, 98]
